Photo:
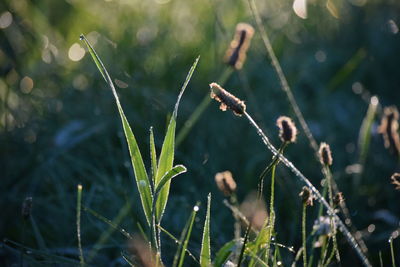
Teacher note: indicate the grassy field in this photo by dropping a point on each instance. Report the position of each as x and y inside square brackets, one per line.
[73, 187]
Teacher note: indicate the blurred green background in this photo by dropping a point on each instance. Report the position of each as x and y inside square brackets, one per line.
[59, 125]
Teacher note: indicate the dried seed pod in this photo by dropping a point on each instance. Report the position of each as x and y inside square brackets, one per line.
[306, 196]
[389, 129]
[338, 198]
[287, 129]
[254, 210]
[26, 208]
[396, 180]
[236, 53]
[225, 182]
[227, 100]
[325, 155]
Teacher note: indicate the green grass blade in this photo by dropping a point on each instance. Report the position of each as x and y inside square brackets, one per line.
[177, 242]
[78, 224]
[153, 156]
[105, 235]
[365, 131]
[167, 151]
[205, 257]
[142, 179]
[107, 221]
[175, 171]
[224, 252]
[184, 239]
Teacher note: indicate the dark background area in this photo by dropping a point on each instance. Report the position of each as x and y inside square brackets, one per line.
[59, 125]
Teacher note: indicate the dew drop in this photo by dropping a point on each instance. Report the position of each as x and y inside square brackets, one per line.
[196, 208]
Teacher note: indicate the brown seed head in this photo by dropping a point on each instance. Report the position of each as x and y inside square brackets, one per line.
[227, 100]
[389, 129]
[325, 155]
[225, 182]
[287, 129]
[254, 210]
[338, 198]
[396, 180]
[26, 208]
[306, 196]
[236, 53]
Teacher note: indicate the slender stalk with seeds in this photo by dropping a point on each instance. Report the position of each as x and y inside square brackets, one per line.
[231, 102]
[292, 101]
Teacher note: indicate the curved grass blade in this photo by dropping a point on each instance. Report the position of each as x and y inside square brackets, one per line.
[184, 239]
[175, 171]
[224, 252]
[167, 151]
[142, 179]
[242, 250]
[153, 156]
[205, 257]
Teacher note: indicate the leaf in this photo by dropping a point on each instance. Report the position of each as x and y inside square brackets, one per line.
[175, 171]
[153, 156]
[184, 239]
[141, 177]
[224, 252]
[167, 151]
[205, 258]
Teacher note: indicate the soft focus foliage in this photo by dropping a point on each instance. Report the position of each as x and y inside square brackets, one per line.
[59, 125]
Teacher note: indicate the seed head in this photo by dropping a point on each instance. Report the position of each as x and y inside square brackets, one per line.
[227, 100]
[306, 196]
[287, 129]
[338, 198]
[389, 129]
[325, 155]
[225, 182]
[236, 53]
[396, 180]
[26, 208]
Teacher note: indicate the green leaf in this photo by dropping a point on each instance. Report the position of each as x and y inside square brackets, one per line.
[142, 179]
[224, 252]
[175, 171]
[153, 156]
[205, 257]
[167, 151]
[184, 239]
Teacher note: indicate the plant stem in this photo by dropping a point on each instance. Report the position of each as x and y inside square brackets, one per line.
[392, 252]
[292, 101]
[317, 194]
[78, 224]
[303, 231]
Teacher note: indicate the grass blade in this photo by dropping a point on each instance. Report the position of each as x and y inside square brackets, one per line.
[224, 252]
[167, 151]
[78, 224]
[175, 171]
[205, 257]
[184, 239]
[142, 179]
[153, 156]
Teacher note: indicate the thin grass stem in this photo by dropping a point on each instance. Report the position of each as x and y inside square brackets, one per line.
[392, 252]
[303, 234]
[78, 224]
[292, 101]
[316, 193]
